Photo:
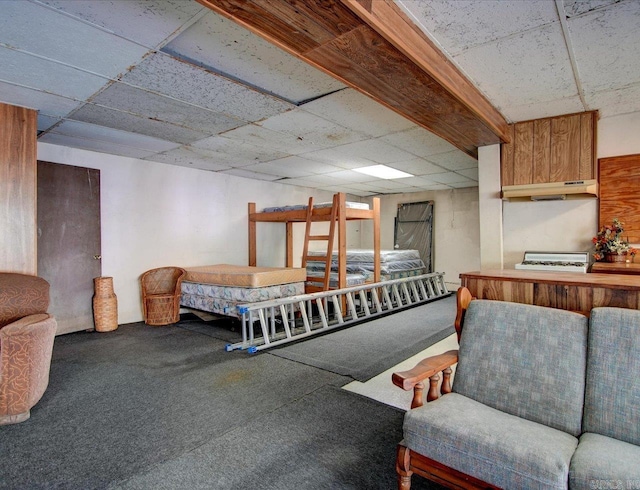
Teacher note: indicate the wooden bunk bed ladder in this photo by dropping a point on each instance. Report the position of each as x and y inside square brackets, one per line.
[308, 237]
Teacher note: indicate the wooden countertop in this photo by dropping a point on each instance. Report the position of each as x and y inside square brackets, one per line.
[612, 281]
[616, 267]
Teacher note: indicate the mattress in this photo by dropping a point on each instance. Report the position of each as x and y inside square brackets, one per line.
[352, 205]
[224, 299]
[351, 279]
[357, 267]
[244, 276]
[356, 255]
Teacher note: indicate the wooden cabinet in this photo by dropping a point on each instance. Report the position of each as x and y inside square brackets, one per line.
[562, 296]
[556, 149]
[563, 290]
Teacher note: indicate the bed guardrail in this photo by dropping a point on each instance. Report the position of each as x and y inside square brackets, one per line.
[276, 322]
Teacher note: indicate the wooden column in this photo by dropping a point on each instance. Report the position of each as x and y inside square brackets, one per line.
[18, 187]
[376, 239]
[252, 234]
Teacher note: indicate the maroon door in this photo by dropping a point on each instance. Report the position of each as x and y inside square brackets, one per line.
[69, 241]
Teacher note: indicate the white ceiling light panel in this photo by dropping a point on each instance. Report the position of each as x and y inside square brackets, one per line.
[383, 172]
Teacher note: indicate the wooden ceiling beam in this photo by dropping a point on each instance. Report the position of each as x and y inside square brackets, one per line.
[373, 47]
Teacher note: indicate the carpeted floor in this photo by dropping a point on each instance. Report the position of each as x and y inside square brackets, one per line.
[365, 350]
[167, 407]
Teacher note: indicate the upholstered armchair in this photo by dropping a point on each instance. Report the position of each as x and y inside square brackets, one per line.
[27, 332]
[161, 295]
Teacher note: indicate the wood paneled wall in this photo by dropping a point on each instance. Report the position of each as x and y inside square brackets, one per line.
[18, 156]
[620, 193]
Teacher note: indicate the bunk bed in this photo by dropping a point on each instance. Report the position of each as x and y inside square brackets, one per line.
[339, 212]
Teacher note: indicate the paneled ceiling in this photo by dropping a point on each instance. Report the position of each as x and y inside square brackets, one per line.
[173, 82]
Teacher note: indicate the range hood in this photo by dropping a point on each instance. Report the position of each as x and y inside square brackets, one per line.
[555, 191]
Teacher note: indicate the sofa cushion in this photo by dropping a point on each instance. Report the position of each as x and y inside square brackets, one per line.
[612, 398]
[525, 360]
[604, 462]
[498, 448]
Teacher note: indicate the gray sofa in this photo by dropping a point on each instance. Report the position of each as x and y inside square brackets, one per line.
[542, 398]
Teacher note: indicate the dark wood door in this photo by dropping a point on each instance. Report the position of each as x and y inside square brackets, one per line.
[69, 241]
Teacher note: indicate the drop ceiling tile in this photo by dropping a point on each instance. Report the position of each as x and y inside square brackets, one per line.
[418, 141]
[460, 25]
[351, 109]
[159, 108]
[26, 70]
[449, 178]
[128, 122]
[52, 105]
[31, 27]
[362, 193]
[522, 69]
[416, 181]
[463, 185]
[227, 48]
[405, 190]
[301, 182]
[314, 130]
[324, 180]
[614, 102]
[340, 157]
[470, 173]
[368, 187]
[388, 184]
[339, 188]
[142, 21]
[540, 109]
[598, 41]
[187, 82]
[114, 136]
[46, 122]
[306, 165]
[454, 160]
[280, 169]
[93, 145]
[363, 153]
[578, 7]
[241, 172]
[236, 153]
[253, 134]
[436, 187]
[417, 166]
[186, 157]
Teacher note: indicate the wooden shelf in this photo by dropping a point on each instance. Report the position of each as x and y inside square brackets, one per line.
[616, 268]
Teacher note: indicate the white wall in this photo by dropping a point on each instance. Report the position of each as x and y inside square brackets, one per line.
[456, 229]
[565, 225]
[154, 215]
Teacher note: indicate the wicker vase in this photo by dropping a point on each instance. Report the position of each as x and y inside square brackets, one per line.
[105, 305]
[614, 257]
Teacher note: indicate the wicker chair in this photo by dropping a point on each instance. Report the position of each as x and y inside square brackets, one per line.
[26, 344]
[161, 295]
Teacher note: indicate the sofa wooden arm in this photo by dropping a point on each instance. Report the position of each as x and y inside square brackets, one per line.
[430, 368]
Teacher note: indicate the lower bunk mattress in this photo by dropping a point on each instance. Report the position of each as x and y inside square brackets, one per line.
[220, 288]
